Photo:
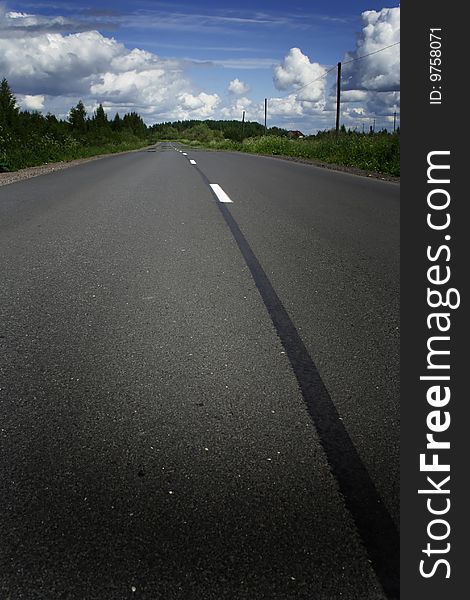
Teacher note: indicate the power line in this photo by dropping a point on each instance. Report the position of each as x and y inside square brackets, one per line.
[370, 53]
[346, 63]
[320, 77]
[338, 66]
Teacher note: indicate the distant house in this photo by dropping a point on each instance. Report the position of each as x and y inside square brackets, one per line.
[295, 134]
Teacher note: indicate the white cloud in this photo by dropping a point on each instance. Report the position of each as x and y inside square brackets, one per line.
[288, 106]
[95, 68]
[16, 15]
[383, 104]
[134, 87]
[370, 85]
[353, 95]
[52, 62]
[235, 110]
[238, 87]
[13, 23]
[201, 106]
[29, 102]
[296, 71]
[306, 101]
[355, 113]
[379, 72]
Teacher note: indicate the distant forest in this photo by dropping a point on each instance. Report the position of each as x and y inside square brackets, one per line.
[29, 138]
[207, 130]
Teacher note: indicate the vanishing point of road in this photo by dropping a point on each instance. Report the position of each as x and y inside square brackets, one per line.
[199, 381]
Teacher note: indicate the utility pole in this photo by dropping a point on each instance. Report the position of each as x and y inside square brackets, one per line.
[265, 116]
[243, 125]
[338, 97]
[374, 127]
[394, 121]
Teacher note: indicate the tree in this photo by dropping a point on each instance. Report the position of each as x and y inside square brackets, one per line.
[8, 109]
[116, 123]
[77, 118]
[200, 132]
[100, 118]
[135, 123]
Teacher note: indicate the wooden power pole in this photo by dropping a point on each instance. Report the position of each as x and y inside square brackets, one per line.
[265, 116]
[338, 97]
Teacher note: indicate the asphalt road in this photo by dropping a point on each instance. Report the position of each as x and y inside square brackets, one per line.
[199, 399]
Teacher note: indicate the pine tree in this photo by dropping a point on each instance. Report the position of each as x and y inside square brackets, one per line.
[77, 118]
[8, 109]
[100, 118]
[117, 123]
[135, 123]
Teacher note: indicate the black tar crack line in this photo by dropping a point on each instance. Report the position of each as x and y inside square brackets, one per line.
[373, 521]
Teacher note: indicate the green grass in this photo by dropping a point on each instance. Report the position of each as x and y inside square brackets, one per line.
[49, 150]
[378, 153]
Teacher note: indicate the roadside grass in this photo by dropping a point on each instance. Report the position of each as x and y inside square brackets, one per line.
[46, 150]
[379, 152]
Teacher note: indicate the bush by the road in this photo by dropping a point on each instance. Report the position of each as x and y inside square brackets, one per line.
[39, 150]
[378, 152]
[28, 139]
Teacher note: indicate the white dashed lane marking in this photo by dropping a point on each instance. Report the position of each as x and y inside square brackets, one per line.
[219, 192]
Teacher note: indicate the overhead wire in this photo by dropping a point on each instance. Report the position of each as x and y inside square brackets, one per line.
[370, 53]
[346, 63]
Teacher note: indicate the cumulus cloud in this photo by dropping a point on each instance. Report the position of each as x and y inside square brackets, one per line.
[238, 87]
[353, 96]
[296, 71]
[96, 68]
[355, 113]
[379, 72]
[29, 102]
[288, 106]
[55, 64]
[370, 86]
[235, 109]
[383, 104]
[200, 106]
[306, 82]
[52, 62]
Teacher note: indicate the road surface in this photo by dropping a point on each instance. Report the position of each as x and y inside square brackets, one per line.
[199, 384]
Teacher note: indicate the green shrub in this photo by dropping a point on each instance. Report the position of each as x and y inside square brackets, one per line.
[379, 152]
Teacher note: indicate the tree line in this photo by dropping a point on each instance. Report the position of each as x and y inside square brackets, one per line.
[210, 129]
[29, 138]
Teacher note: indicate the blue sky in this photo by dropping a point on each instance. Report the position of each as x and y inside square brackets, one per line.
[204, 59]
